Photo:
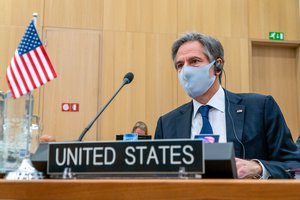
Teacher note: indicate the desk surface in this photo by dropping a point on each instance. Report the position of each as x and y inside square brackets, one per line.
[150, 189]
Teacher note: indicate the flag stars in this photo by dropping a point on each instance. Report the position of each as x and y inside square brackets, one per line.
[30, 40]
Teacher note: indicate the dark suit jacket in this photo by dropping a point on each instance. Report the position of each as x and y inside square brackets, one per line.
[257, 122]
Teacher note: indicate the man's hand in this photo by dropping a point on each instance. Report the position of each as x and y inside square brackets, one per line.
[248, 168]
[47, 138]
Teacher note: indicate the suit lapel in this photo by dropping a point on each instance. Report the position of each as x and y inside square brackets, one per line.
[235, 114]
[234, 119]
[183, 121]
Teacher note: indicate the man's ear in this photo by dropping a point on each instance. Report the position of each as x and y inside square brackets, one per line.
[218, 65]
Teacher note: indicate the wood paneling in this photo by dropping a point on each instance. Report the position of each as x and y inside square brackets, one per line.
[18, 13]
[236, 51]
[149, 94]
[160, 78]
[227, 18]
[74, 14]
[274, 72]
[274, 15]
[126, 52]
[153, 16]
[75, 56]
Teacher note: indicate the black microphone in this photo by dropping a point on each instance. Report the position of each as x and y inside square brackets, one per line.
[126, 80]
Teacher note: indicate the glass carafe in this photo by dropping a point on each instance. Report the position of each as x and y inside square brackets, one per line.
[16, 129]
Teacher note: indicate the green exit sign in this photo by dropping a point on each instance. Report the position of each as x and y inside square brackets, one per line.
[276, 35]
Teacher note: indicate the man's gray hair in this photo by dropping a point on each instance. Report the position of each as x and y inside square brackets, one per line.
[213, 49]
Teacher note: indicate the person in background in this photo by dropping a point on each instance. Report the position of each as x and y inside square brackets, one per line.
[263, 144]
[140, 128]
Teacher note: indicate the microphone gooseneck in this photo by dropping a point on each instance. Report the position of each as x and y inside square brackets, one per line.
[126, 80]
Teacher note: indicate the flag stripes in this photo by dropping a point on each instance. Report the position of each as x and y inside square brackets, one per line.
[29, 71]
[30, 66]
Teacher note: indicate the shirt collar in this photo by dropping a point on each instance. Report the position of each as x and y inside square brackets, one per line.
[217, 102]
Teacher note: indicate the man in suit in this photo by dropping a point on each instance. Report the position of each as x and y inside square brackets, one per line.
[254, 123]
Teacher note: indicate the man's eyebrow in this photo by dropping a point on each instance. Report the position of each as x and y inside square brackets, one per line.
[179, 61]
[194, 57]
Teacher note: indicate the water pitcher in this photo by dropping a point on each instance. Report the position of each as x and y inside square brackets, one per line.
[17, 116]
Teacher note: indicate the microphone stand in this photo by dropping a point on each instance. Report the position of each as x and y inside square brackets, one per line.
[125, 81]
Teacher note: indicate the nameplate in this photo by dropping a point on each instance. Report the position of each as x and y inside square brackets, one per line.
[131, 157]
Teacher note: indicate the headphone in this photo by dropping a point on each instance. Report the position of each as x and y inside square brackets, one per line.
[218, 66]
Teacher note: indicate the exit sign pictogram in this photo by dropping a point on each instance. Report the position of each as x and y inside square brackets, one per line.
[276, 35]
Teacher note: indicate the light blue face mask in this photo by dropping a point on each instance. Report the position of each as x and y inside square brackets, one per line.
[196, 80]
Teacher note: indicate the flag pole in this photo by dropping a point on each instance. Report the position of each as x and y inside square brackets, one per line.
[34, 17]
[31, 98]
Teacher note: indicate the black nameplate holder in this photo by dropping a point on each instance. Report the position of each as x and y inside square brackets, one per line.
[172, 158]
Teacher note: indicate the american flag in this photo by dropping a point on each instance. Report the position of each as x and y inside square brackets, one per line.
[30, 67]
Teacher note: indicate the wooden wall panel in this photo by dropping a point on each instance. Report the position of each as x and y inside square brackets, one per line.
[74, 14]
[150, 94]
[274, 72]
[75, 56]
[274, 15]
[236, 51]
[127, 53]
[160, 78]
[153, 16]
[19, 13]
[226, 18]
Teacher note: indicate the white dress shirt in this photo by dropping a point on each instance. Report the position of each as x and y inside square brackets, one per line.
[216, 116]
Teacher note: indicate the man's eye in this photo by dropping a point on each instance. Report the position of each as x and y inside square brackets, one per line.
[195, 61]
[179, 66]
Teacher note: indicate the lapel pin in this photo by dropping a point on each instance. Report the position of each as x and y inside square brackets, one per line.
[239, 111]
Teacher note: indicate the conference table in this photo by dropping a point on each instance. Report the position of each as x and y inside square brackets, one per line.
[153, 189]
